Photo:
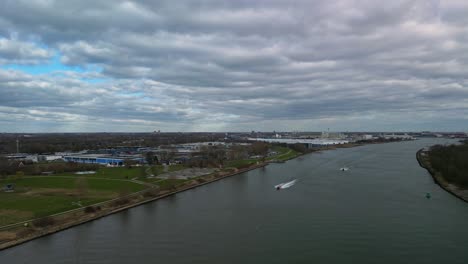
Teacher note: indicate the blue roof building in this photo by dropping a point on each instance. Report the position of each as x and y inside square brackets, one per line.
[101, 159]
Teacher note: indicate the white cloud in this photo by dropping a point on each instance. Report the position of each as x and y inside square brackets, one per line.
[237, 65]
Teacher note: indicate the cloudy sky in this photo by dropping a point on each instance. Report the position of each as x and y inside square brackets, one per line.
[87, 66]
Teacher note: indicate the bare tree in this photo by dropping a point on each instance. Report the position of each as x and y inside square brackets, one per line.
[150, 157]
[236, 152]
[259, 148]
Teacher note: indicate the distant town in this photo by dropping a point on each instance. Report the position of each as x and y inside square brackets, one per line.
[119, 149]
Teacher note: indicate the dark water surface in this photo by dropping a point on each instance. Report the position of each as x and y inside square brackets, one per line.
[374, 213]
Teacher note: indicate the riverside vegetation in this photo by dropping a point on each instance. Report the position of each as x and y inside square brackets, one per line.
[451, 162]
[448, 167]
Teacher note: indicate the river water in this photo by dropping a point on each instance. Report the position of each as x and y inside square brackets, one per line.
[376, 212]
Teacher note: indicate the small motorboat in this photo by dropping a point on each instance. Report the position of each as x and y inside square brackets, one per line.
[285, 185]
[344, 169]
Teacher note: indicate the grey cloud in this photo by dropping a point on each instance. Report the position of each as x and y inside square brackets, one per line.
[13, 51]
[214, 64]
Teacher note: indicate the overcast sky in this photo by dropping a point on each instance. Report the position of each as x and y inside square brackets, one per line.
[87, 66]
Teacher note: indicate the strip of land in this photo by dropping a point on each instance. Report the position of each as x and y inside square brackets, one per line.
[424, 158]
[17, 234]
[40, 205]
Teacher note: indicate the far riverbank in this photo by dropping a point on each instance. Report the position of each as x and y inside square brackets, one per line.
[423, 160]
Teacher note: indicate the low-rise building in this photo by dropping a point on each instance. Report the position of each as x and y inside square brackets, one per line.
[102, 159]
[49, 157]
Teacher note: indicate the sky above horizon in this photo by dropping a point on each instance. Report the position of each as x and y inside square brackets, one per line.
[138, 66]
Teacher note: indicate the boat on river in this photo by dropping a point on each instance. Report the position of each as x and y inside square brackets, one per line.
[285, 185]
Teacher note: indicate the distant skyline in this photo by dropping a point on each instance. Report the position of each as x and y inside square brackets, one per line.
[141, 66]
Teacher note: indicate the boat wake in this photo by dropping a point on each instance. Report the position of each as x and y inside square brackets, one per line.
[285, 185]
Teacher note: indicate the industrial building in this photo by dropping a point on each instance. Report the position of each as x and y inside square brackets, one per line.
[102, 159]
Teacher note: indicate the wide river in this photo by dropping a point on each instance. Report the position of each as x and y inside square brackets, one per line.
[376, 212]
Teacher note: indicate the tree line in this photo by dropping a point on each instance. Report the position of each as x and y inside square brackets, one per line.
[452, 162]
[8, 167]
[60, 142]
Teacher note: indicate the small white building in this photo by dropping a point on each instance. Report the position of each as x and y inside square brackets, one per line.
[49, 157]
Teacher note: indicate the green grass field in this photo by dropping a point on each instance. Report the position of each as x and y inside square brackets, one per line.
[38, 196]
[284, 153]
[177, 167]
[16, 207]
[70, 183]
[122, 173]
[159, 169]
[168, 183]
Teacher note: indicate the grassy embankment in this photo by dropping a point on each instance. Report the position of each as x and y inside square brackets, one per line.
[38, 196]
[448, 166]
[42, 196]
[452, 162]
[283, 154]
